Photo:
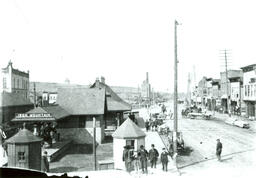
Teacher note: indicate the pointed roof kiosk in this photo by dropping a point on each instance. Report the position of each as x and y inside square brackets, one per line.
[128, 134]
[24, 150]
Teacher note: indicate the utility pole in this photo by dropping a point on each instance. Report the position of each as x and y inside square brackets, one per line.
[226, 68]
[94, 143]
[227, 83]
[189, 91]
[175, 128]
[34, 95]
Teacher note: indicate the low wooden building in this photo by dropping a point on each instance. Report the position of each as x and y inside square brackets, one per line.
[128, 134]
[24, 150]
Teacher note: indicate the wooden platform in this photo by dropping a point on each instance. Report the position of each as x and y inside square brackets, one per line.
[57, 149]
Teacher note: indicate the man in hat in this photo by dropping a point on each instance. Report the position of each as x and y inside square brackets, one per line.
[45, 162]
[125, 157]
[164, 159]
[218, 149]
[153, 156]
[143, 154]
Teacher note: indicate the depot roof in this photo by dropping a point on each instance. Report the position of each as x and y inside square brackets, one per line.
[114, 102]
[82, 101]
[128, 130]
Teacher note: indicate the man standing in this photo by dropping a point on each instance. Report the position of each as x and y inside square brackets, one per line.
[130, 158]
[143, 154]
[218, 149]
[45, 162]
[164, 160]
[125, 157]
[147, 125]
[153, 155]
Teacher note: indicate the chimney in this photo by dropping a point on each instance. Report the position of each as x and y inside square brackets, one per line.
[97, 82]
[147, 77]
[102, 79]
[10, 63]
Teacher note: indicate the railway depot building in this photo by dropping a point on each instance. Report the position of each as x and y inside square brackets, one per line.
[74, 112]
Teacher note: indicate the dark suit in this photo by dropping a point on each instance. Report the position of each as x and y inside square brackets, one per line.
[143, 154]
[219, 150]
[153, 155]
[164, 160]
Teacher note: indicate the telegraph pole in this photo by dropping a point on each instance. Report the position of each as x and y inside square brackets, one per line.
[227, 87]
[34, 95]
[226, 68]
[94, 143]
[175, 128]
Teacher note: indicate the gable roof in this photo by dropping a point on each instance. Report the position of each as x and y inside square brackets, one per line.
[82, 101]
[114, 102]
[128, 130]
[13, 99]
[24, 136]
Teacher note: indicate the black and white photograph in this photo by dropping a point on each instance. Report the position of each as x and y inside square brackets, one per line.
[127, 88]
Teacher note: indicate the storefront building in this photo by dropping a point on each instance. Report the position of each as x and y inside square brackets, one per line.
[249, 85]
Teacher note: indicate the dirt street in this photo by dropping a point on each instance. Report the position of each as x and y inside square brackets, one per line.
[200, 142]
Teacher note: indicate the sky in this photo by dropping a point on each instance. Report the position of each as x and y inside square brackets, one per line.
[122, 40]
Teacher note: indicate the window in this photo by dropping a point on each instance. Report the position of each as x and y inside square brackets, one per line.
[245, 90]
[21, 156]
[4, 83]
[81, 122]
[248, 90]
[18, 83]
[254, 90]
[130, 143]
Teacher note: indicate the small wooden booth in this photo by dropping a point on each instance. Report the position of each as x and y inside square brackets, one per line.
[24, 150]
[127, 134]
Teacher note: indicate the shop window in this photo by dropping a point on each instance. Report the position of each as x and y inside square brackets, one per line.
[130, 143]
[21, 156]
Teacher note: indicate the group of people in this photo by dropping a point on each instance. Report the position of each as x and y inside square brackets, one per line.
[152, 124]
[139, 159]
[49, 133]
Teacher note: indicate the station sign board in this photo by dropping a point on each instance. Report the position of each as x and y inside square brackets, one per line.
[33, 115]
